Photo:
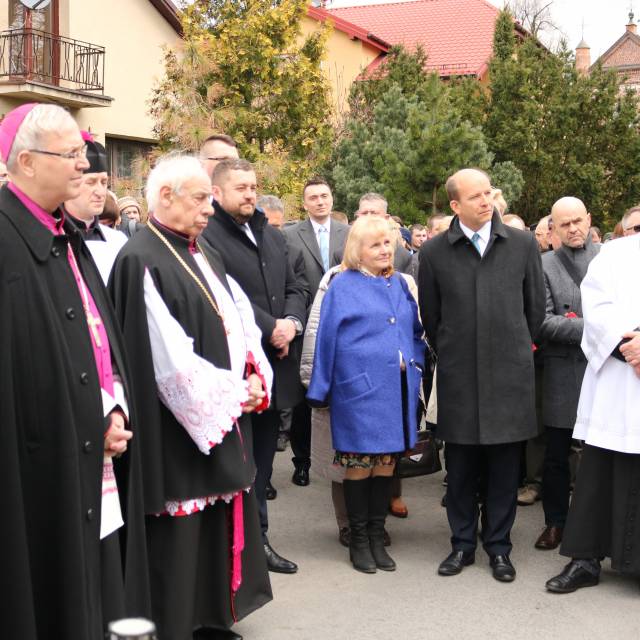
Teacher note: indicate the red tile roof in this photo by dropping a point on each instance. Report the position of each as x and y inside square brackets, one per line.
[456, 34]
[352, 30]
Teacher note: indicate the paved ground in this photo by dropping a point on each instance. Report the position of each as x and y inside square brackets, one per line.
[327, 599]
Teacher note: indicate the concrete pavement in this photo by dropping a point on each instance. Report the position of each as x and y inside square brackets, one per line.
[327, 599]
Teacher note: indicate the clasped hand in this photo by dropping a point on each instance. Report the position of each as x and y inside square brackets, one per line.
[256, 394]
[631, 350]
[283, 333]
[116, 436]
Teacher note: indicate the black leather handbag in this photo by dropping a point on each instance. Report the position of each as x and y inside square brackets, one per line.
[422, 460]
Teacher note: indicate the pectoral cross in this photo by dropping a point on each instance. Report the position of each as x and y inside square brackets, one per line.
[94, 323]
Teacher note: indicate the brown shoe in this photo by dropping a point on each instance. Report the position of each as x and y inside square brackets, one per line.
[398, 508]
[550, 538]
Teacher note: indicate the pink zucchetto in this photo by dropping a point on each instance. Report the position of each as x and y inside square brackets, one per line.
[10, 125]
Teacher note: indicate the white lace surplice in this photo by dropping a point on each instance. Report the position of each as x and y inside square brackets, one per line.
[204, 399]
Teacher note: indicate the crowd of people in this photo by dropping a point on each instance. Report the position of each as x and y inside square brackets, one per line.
[152, 358]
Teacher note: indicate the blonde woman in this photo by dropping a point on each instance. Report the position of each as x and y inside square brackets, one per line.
[367, 369]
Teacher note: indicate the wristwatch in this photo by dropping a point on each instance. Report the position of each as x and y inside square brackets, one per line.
[297, 323]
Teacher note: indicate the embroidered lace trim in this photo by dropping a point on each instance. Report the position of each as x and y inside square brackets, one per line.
[194, 505]
[205, 400]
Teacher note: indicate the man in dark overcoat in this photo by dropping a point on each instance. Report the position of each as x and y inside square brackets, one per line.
[564, 360]
[321, 242]
[69, 567]
[255, 255]
[482, 302]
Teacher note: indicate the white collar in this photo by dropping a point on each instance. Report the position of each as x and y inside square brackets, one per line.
[484, 231]
[317, 226]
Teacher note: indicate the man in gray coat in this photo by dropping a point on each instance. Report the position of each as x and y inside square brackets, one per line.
[321, 242]
[564, 361]
[482, 302]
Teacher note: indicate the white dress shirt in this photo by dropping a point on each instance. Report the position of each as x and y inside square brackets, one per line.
[484, 232]
[317, 226]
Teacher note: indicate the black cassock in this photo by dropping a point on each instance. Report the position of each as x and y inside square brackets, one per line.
[189, 556]
[55, 582]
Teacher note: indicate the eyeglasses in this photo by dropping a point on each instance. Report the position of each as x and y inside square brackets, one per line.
[69, 155]
[635, 228]
[219, 158]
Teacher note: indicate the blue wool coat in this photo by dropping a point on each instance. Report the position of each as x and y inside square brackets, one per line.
[364, 323]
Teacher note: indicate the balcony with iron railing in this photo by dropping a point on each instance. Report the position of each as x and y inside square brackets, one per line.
[36, 65]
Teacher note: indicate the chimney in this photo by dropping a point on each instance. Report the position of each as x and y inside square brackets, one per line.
[632, 27]
[583, 58]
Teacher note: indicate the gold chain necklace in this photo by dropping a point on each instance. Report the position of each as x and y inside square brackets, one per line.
[190, 271]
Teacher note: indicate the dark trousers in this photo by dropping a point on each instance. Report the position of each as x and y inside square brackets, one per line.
[300, 435]
[265, 440]
[499, 465]
[556, 477]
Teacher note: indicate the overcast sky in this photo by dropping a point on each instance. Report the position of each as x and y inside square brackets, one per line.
[604, 20]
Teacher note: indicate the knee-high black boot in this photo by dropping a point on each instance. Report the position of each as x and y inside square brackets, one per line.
[379, 496]
[356, 497]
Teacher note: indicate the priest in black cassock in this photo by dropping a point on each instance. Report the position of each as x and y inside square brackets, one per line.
[84, 210]
[200, 369]
[64, 410]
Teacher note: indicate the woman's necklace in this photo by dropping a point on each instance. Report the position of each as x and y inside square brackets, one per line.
[190, 271]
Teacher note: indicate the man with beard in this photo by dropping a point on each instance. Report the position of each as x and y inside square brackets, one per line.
[256, 256]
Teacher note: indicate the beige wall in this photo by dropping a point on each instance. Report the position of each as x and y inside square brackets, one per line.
[133, 33]
[345, 60]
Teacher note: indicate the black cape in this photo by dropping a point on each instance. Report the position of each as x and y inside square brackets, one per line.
[51, 444]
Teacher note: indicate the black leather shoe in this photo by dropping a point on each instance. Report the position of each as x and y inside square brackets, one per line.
[300, 477]
[276, 563]
[270, 493]
[503, 570]
[572, 578]
[283, 441]
[453, 564]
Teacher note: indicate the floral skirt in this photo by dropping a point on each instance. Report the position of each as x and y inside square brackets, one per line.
[365, 460]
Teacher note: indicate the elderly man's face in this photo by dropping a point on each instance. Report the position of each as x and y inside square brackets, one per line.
[237, 195]
[543, 234]
[275, 217]
[214, 152]
[60, 178]
[372, 208]
[632, 221]
[188, 210]
[474, 204]
[89, 203]
[571, 224]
